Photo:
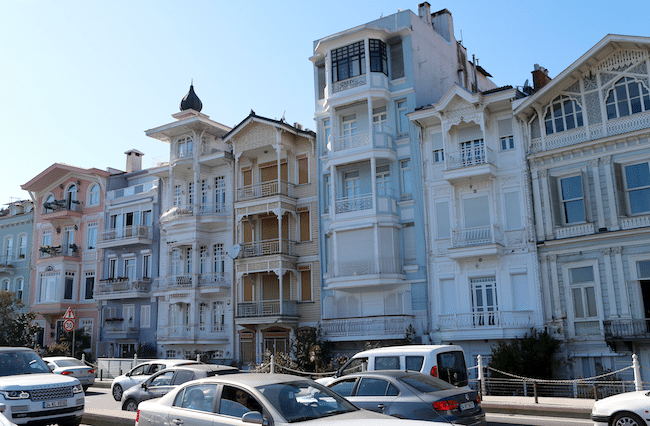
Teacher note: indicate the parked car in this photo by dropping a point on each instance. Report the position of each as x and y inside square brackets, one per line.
[624, 409]
[3, 420]
[142, 372]
[446, 362]
[74, 367]
[273, 399]
[31, 393]
[411, 395]
[164, 381]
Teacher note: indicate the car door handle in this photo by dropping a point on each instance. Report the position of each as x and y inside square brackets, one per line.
[381, 407]
[177, 421]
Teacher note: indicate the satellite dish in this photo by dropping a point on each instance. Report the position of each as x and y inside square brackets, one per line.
[235, 250]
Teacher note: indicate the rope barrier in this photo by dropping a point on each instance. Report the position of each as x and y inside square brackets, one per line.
[529, 379]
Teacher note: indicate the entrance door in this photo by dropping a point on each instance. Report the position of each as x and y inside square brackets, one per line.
[645, 291]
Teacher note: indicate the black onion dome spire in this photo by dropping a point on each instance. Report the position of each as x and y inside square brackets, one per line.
[191, 101]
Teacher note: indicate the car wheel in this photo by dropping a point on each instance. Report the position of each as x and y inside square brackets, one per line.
[130, 405]
[117, 392]
[627, 419]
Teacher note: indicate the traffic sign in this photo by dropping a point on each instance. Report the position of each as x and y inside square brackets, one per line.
[68, 325]
[69, 314]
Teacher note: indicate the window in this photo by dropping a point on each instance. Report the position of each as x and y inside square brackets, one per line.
[5, 285]
[382, 177]
[112, 268]
[146, 266]
[396, 60]
[303, 169]
[146, 218]
[410, 247]
[90, 285]
[218, 315]
[507, 143]
[189, 262]
[512, 210]
[505, 134]
[439, 156]
[637, 187]
[72, 197]
[327, 130]
[190, 193]
[145, 316]
[129, 269]
[305, 231]
[177, 195]
[305, 285]
[584, 297]
[92, 236]
[402, 119]
[47, 238]
[563, 114]
[443, 224]
[20, 287]
[22, 246]
[379, 119]
[327, 182]
[377, 387]
[69, 282]
[203, 312]
[219, 260]
[349, 128]
[484, 300]
[48, 203]
[185, 147]
[378, 56]
[348, 61]
[627, 97]
[94, 195]
[572, 199]
[220, 193]
[204, 195]
[321, 80]
[9, 247]
[48, 286]
[407, 180]
[203, 259]
[472, 152]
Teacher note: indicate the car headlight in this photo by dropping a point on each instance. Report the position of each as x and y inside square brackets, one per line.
[18, 394]
[77, 388]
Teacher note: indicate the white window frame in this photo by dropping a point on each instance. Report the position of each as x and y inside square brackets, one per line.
[569, 286]
[640, 188]
[563, 202]
[93, 195]
[507, 143]
[552, 119]
[439, 156]
[401, 107]
[405, 170]
[145, 316]
[22, 246]
[91, 232]
[379, 119]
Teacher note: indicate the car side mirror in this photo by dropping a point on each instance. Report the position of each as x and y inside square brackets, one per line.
[144, 385]
[254, 417]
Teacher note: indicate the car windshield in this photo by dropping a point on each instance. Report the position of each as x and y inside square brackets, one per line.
[425, 383]
[21, 362]
[298, 401]
[69, 363]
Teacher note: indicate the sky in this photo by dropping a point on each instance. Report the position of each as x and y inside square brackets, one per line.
[81, 81]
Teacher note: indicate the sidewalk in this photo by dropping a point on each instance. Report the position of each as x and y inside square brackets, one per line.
[522, 405]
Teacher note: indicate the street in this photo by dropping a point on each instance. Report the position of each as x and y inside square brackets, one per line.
[100, 398]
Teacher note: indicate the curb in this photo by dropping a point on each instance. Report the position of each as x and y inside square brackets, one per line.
[537, 410]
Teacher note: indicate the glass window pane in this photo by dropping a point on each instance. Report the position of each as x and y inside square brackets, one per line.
[637, 175]
[575, 211]
[640, 201]
[590, 294]
[577, 303]
[633, 88]
[572, 188]
[643, 269]
[582, 275]
[623, 109]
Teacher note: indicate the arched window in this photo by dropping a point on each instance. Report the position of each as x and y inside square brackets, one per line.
[48, 204]
[563, 114]
[94, 195]
[628, 96]
[71, 196]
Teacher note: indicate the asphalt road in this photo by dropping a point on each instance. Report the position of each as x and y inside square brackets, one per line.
[100, 398]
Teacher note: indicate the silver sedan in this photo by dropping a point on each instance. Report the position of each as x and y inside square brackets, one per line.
[69, 366]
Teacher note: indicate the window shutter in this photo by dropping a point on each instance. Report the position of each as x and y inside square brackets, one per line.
[304, 226]
[505, 127]
[321, 80]
[555, 201]
[305, 286]
[303, 170]
[443, 223]
[436, 141]
[470, 134]
[585, 196]
[396, 60]
[620, 189]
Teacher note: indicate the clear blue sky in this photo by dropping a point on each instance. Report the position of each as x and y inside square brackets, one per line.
[80, 81]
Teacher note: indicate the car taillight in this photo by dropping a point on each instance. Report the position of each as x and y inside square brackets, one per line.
[66, 373]
[478, 398]
[445, 405]
[434, 371]
[92, 371]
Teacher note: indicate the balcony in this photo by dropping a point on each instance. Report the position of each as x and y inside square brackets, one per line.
[354, 204]
[118, 327]
[214, 281]
[267, 308]
[483, 320]
[267, 248]
[122, 288]
[386, 326]
[575, 230]
[62, 209]
[8, 263]
[635, 222]
[131, 190]
[45, 252]
[265, 189]
[478, 241]
[199, 210]
[192, 333]
[627, 329]
[138, 234]
[475, 162]
[368, 266]
[359, 147]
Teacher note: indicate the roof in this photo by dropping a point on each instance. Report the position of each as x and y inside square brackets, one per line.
[56, 172]
[256, 379]
[203, 367]
[279, 123]
[407, 349]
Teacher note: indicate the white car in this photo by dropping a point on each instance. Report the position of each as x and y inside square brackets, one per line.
[69, 366]
[31, 393]
[259, 398]
[3, 420]
[142, 372]
[624, 409]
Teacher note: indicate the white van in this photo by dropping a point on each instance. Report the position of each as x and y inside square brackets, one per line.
[446, 362]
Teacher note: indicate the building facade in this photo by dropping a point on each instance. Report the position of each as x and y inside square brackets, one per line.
[194, 287]
[371, 213]
[16, 232]
[587, 133]
[277, 272]
[68, 214]
[130, 248]
[483, 273]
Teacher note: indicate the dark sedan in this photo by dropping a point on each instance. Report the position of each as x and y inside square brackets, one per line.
[164, 381]
[411, 395]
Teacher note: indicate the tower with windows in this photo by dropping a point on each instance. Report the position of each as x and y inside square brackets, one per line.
[371, 214]
[195, 282]
[587, 133]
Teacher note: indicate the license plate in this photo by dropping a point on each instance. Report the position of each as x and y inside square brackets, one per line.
[466, 405]
[53, 404]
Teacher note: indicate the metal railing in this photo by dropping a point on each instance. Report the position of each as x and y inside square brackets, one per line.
[480, 235]
[268, 247]
[117, 234]
[353, 204]
[379, 325]
[264, 308]
[120, 286]
[467, 157]
[479, 320]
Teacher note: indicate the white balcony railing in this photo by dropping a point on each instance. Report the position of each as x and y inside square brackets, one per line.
[380, 325]
[264, 308]
[119, 286]
[468, 157]
[368, 266]
[493, 319]
[635, 222]
[265, 189]
[128, 232]
[575, 230]
[188, 210]
[131, 190]
[356, 140]
[480, 235]
[361, 202]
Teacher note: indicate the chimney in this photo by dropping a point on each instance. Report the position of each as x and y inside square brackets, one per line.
[540, 77]
[424, 12]
[133, 160]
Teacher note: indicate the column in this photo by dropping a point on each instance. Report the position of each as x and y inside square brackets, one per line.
[333, 182]
[611, 293]
[547, 214]
[373, 181]
[622, 285]
[600, 220]
[546, 288]
[375, 229]
[555, 286]
[611, 194]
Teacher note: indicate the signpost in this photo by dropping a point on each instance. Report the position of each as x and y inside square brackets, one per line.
[68, 325]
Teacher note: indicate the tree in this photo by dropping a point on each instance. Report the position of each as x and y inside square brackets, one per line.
[15, 326]
[531, 356]
[308, 349]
